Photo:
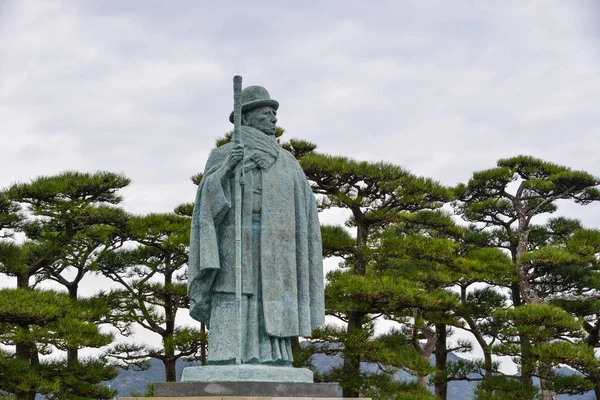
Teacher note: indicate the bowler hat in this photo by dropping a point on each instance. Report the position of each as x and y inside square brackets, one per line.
[255, 97]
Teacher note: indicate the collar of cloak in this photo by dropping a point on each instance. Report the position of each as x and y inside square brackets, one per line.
[261, 150]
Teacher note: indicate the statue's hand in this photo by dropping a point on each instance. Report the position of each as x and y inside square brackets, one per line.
[235, 156]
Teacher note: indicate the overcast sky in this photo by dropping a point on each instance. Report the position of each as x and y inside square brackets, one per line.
[443, 88]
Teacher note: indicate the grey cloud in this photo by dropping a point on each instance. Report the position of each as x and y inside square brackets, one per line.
[440, 89]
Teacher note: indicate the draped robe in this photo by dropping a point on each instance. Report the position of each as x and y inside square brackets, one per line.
[282, 266]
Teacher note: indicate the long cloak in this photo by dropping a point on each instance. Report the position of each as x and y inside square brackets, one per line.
[290, 244]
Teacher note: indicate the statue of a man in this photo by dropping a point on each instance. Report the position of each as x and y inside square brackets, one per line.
[282, 269]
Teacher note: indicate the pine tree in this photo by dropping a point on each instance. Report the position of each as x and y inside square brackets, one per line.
[566, 264]
[376, 195]
[152, 289]
[427, 247]
[415, 251]
[504, 200]
[51, 320]
[481, 270]
[62, 209]
[54, 214]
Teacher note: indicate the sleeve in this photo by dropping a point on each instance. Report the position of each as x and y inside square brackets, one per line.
[213, 200]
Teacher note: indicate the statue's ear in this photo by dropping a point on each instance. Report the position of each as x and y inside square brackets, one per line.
[244, 119]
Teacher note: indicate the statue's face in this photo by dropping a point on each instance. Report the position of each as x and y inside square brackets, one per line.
[263, 119]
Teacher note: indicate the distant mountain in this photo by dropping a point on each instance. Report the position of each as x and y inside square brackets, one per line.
[135, 381]
[130, 381]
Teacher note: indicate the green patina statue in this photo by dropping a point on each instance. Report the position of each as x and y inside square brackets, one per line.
[281, 250]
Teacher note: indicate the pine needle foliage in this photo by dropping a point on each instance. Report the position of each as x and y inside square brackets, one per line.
[504, 203]
[152, 289]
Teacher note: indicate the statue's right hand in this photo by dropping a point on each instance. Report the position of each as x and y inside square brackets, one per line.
[235, 156]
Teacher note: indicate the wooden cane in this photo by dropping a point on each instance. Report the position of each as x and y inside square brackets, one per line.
[237, 139]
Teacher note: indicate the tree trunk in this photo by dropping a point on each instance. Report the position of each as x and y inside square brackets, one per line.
[546, 373]
[170, 369]
[295, 342]
[522, 292]
[23, 280]
[72, 356]
[527, 361]
[441, 355]
[203, 360]
[428, 348]
[170, 312]
[362, 234]
[351, 365]
[72, 352]
[26, 350]
[529, 296]
[488, 365]
[485, 347]
[352, 359]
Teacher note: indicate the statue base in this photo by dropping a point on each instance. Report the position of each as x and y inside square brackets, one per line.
[215, 382]
[246, 373]
[245, 390]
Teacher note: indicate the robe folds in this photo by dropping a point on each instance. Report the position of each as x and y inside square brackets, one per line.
[290, 267]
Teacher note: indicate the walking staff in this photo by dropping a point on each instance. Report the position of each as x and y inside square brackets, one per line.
[239, 181]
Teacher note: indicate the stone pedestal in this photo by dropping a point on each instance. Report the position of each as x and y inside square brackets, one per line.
[245, 382]
[240, 398]
[246, 389]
